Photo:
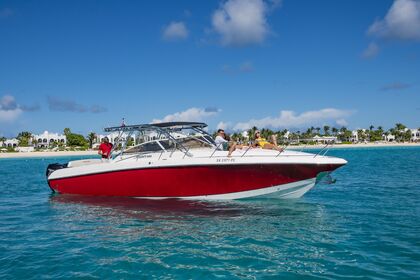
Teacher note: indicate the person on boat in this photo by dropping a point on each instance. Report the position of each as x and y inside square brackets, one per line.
[263, 143]
[105, 148]
[223, 144]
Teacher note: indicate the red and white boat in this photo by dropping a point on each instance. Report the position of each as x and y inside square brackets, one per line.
[181, 160]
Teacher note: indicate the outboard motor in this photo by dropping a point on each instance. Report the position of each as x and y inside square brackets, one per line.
[53, 167]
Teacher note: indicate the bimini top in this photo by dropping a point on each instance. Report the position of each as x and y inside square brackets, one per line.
[164, 125]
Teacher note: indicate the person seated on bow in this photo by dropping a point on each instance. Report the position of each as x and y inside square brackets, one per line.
[223, 144]
[263, 143]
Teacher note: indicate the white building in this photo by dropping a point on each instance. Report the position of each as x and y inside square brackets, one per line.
[388, 138]
[324, 139]
[10, 143]
[45, 139]
[354, 136]
[415, 135]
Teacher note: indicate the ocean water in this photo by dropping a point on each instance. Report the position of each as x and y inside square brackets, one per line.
[365, 225]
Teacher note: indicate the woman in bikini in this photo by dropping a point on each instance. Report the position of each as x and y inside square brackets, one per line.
[263, 143]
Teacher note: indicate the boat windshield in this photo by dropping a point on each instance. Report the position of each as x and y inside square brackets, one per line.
[159, 145]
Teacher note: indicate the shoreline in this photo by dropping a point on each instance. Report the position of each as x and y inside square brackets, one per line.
[367, 145]
[48, 154]
[94, 153]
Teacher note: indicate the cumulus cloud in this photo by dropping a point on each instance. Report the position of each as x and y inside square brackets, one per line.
[401, 22]
[288, 119]
[191, 114]
[175, 31]
[60, 105]
[371, 51]
[341, 122]
[224, 125]
[241, 22]
[395, 86]
[9, 109]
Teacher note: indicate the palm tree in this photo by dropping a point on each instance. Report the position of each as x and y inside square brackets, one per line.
[318, 129]
[66, 131]
[91, 138]
[326, 129]
[251, 132]
[371, 127]
[334, 130]
[400, 126]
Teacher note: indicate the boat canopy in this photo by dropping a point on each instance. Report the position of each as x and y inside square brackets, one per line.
[164, 125]
[170, 131]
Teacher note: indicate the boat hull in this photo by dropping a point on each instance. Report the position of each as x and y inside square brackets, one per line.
[197, 182]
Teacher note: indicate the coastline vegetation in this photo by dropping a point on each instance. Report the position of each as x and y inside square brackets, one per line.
[399, 133]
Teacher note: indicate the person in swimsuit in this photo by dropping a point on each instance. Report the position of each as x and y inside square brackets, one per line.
[263, 143]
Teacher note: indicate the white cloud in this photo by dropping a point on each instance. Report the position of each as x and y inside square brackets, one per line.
[371, 51]
[9, 110]
[401, 22]
[175, 31]
[341, 122]
[241, 22]
[191, 114]
[288, 119]
[224, 125]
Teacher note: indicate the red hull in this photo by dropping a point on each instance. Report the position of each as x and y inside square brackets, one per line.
[187, 181]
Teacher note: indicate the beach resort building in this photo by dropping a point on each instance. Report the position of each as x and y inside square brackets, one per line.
[10, 143]
[324, 139]
[388, 137]
[354, 136]
[415, 135]
[112, 137]
[46, 139]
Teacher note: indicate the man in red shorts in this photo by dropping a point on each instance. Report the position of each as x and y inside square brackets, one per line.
[105, 148]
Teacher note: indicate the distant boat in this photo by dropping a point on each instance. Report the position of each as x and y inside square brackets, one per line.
[182, 161]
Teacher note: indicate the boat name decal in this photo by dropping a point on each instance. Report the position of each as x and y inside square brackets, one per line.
[225, 160]
[146, 156]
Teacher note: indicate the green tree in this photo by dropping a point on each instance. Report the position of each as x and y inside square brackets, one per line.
[326, 129]
[66, 131]
[24, 138]
[400, 126]
[251, 132]
[334, 130]
[74, 139]
[91, 138]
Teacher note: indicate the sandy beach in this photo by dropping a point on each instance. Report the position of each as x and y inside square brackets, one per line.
[93, 153]
[48, 154]
[367, 145]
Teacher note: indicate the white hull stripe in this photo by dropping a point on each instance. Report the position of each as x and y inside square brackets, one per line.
[291, 190]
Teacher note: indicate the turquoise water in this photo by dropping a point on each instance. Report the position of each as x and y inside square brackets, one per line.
[366, 225]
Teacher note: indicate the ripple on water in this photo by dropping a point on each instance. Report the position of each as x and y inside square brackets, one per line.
[366, 225]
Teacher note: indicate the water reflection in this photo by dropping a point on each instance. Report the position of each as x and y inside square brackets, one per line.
[255, 234]
[146, 209]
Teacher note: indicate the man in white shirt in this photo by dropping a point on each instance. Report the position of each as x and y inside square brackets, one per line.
[223, 144]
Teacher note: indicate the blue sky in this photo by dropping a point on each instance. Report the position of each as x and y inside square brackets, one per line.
[232, 63]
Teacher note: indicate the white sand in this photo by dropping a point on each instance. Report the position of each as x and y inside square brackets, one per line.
[48, 154]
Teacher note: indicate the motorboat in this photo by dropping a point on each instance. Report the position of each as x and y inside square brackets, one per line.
[181, 160]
